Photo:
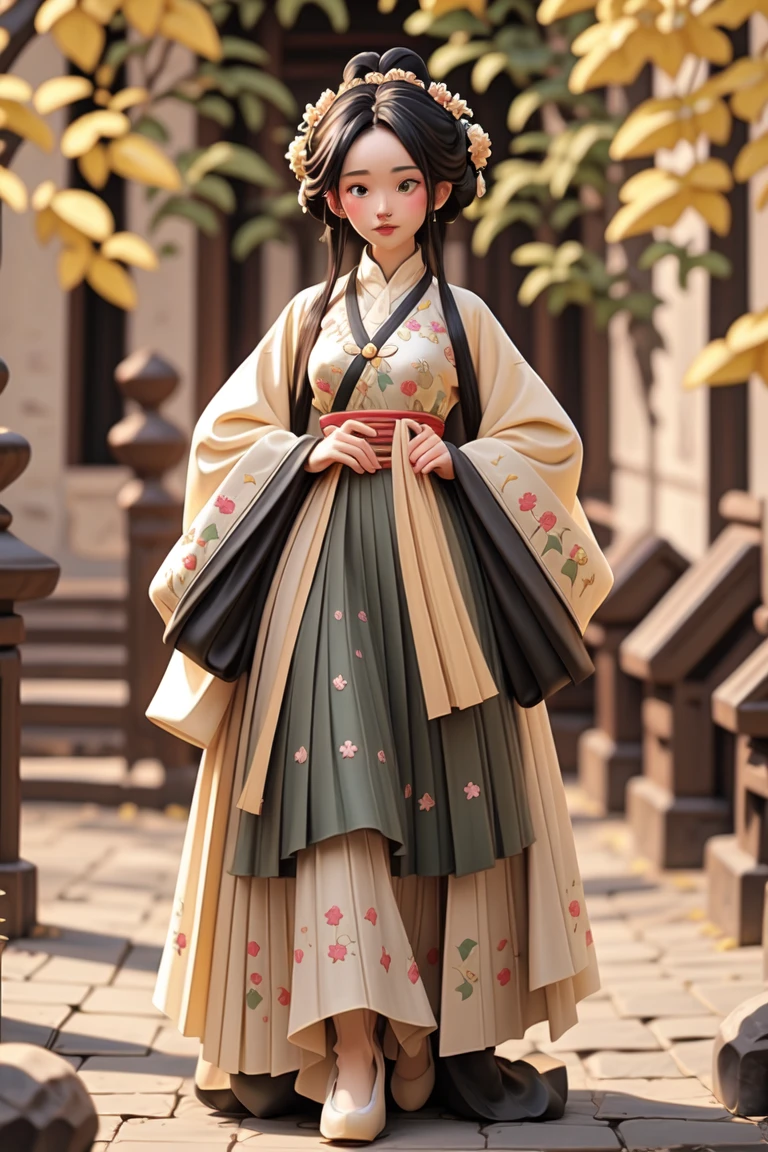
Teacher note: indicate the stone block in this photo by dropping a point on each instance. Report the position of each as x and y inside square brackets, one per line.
[90, 1034]
[146, 1074]
[740, 1058]
[679, 1090]
[42, 1102]
[670, 1029]
[694, 1058]
[736, 889]
[38, 992]
[121, 1002]
[723, 996]
[73, 970]
[620, 1035]
[552, 1137]
[150, 1105]
[647, 1003]
[645, 1134]
[631, 1106]
[628, 1065]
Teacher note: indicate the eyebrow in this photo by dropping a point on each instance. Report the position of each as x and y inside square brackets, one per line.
[365, 172]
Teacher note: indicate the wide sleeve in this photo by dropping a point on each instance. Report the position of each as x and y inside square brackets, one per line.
[518, 483]
[246, 469]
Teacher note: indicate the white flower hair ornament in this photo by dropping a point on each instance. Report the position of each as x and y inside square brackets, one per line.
[479, 146]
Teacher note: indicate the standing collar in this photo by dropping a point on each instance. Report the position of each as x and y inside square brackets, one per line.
[371, 277]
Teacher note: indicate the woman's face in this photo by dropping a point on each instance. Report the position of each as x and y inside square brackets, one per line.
[382, 192]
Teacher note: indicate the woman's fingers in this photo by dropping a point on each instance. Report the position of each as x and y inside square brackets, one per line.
[362, 451]
[419, 447]
[435, 453]
[358, 426]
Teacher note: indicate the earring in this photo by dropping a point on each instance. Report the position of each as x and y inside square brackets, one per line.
[434, 217]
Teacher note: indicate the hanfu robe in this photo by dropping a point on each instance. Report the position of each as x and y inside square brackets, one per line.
[379, 819]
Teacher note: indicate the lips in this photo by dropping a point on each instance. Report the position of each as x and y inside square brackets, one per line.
[385, 229]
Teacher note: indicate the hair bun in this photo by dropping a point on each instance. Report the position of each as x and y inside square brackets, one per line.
[360, 65]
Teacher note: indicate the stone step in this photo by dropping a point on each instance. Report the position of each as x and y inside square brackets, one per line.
[50, 740]
[50, 622]
[73, 703]
[74, 661]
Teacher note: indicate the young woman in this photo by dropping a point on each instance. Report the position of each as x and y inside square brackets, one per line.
[384, 572]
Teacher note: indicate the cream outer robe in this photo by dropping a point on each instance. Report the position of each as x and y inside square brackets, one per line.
[529, 455]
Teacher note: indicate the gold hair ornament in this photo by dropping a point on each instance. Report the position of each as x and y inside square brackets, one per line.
[479, 141]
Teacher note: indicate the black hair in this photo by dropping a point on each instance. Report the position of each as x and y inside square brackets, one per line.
[438, 144]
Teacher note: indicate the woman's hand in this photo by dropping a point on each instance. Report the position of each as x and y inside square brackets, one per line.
[428, 453]
[343, 445]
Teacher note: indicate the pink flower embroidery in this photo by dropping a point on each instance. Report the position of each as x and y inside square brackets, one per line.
[527, 501]
[407, 791]
[298, 955]
[574, 908]
[323, 386]
[338, 615]
[432, 956]
[449, 354]
[253, 948]
[436, 326]
[588, 936]
[340, 683]
[348, 749]
[504, 976]
[413, 972]
[334, 915]
[472, 790]
[426, 802]
[284, 997]
[501, 945]
[301, 756]
[386, 959]
[408, 387]
[255, 978]
[181, 942]
[362, 616]
[413, 324]
[547, 521]
[225, 505]
[304, 930]
[190, 562]
[265, 1019]
[578, 554]
[358, 653]
[337, 951]
[381, 757]
[371, 916]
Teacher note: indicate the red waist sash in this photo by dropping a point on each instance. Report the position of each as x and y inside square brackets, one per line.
[383, 421]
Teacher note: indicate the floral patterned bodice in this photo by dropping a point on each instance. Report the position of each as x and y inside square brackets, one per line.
[415, 369]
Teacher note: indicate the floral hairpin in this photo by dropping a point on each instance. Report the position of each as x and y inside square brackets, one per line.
[479, 141]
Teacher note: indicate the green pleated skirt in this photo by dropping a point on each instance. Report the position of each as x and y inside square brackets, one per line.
[354, 747]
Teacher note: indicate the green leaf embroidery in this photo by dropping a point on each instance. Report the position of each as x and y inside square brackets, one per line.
[553, 542]
[209, 533]
[570, 569]
[466, 947]
[384, 381]
[466, 990]
[254, 998]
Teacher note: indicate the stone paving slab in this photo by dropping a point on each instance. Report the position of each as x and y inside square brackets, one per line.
[551, 1137]
[145, 1104]
[627, 1065]
[91, 1034]
[589, 1035]
[622, 1106]
[146, 1074]
[723, 997]
[673, 1028]
[147, 1133]
[121, 1002]
[640, 1135]
[694, 1057]
[27, 992]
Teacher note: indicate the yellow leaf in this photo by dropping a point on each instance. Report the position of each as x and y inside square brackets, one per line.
[127, 97]
[87, 130]
[94, 166]
[130, 249]
[105, 75]
[137, 158]
[441, 7]
[43, 195]
[762, 199]
[50, 12]
[112, 282]
[144, 15]
[550, 10]
[72, 264]
[5, 37]
[100, 10]
[751, 158]
[187, 22]
[102, 97]
[26, 123]
[748, 103]
[14, 88]
[12, 190]
[643, 216]
[80, 38]
[714, 208]
[717, 364]
[712, 174]
[60, 91]
[651, 182]
[749, 331]
[45, 225]
[85, 212]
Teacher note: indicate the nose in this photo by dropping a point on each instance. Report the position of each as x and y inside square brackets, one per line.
[382, 213]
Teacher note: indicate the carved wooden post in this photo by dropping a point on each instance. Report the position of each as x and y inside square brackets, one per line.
[25, 574]
[150, 445]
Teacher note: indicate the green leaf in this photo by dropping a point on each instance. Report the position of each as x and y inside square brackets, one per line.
[153, 128]
[466, 947]
[466, 990]
[641, 305]
[200, 215]
[530, 142]
[166, 251]
[450, 56]
[250, 12]
[570, 569]
[574, 292]
[565, 212]
[283, 207]
[384, 381]
[252, 233]
[657, 251]
[234, 160]
[217, 108]
[288, 12]
[492, 224]
[118, 52]
[605, 309]
[715, 263]
[254, 998]
[210, 532]
[443, 27]
[553, 544]
[243, 78]
[252, 110]
[501, 8]
[487, 69]
[218, 191]
[236, 48]
[533, 254]
[220, 11]
[534, 284]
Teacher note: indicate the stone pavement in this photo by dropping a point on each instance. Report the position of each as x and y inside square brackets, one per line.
[639, 1060]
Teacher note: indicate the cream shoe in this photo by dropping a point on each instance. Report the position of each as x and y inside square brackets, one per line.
[410, 1095]
[362, 1124]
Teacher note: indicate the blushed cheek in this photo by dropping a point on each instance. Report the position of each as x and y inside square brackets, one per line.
[417, 203]
[354, 206]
